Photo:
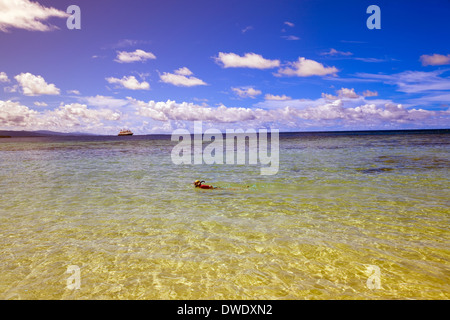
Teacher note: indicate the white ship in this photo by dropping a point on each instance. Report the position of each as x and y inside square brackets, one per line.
[125, 132]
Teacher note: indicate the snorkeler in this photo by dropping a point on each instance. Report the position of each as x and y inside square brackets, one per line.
[198, 184]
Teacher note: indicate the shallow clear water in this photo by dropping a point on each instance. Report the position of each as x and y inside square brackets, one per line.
[121, 211]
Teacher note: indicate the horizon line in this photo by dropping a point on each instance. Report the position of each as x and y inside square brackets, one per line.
[44, 133]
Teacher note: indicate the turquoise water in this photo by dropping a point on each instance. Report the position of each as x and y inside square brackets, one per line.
[132, 222]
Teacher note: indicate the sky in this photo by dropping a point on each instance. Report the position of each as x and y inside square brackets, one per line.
[156, 66]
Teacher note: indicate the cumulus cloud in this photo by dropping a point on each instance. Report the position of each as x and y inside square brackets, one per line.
[171, 110]
[369, 93]
[40, 104]
[77, 114]
[367, 113]
[33, 85]
[13, 114]
[24, 14]
[320, 112]
[104, 101]
[305, 67]
[183, 71]
[72, 115]
[65, 117]
[11, 89]
[181, 77]
[295, 114]
[129, 83]
[73, 92]
[327, 96]
[246, 92]
[347, 93]
[249, 60]
[276, 97]
[4, 77]
[135, 56]
[343, 93]
[435, 59]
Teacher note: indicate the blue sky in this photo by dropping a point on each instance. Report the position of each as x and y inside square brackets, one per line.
[155, 66]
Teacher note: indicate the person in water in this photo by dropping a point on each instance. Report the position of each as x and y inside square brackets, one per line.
[199, 184]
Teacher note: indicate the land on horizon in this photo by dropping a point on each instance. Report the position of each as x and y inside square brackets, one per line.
[47, 133]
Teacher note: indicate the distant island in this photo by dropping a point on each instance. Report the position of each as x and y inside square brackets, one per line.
[39, 133]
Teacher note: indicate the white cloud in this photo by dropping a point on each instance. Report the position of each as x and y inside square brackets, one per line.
[11, 89]
[290, 24]
[432, 98]
[35, 85]
[296, 114]
[13, 114]
[291, 38]
[334, 52]
[171, 110]
[435, 59]
[64, 118]
[343, 93]
[76, 114]
[123, 43]
[327, 96]
[276, 97]
[246, 92]
[347, 93]
[73, 92]
[181, 78]
[336, 112]
[367, 113]
[248, 28]
[24, 14]
[370, 59]
[318, 112]
[249, 60]
[305, 67]
[135, 56]
[322, 114]
[412, 81]
[104, 101]
[369, 93]
[183, 71]
[129, 83]
[40, 104]
[3, 77]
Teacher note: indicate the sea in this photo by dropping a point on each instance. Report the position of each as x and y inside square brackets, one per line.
[348, 216]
